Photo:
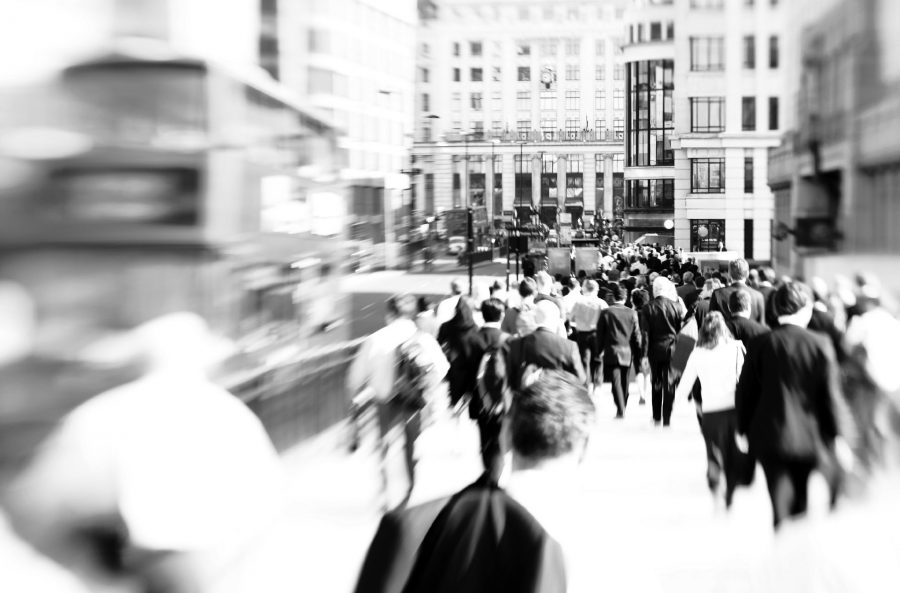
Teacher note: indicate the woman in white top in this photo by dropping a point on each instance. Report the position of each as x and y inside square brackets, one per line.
[716, 361]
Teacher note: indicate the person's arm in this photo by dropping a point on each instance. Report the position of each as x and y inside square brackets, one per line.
[686, 383]
[645, 332]
[636, 341]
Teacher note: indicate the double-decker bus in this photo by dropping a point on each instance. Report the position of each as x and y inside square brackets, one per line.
[455, 222]
[182, 186]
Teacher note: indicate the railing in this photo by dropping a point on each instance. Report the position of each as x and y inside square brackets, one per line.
[302, 398]
[559, 135]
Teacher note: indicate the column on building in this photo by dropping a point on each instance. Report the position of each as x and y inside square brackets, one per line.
[509, 181]
[489, 188]
[561, 161]
[443, 181]
[536, 169]
[608, 186]
[589, 174]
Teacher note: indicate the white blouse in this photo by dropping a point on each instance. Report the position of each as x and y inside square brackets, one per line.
[718, 370]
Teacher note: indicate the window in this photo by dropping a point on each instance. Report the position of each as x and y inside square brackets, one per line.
[548, 48]
[456, 75]
[524, 13]
[773, 113]
[523, 126]
[475, 101]
[573, 72]
[599, 73]
[548, 101]
[707, 234]
[707, 114]
[655, 31]
[600, 126]
[749, 52]
[572, 129]
[773, 51]
[715, 4]
[476, 75]
[475, 48]
[573, 47]
[548, 129]
[650, 194]
[548, 13]
[707, 54]
[749, 3]
[523, 49]
[670, 30]
[618, 99]
[748, 174]
[524, 74]
[640, 32]
[650, 113]
[456, 49]
[600, 47]
[619, 128]
[708, 176]
[573, 100]
[424, 74]
[523, 100]
[600, 100]
[456, 101]
[495, 74]
[748, 114]
[426, 104]
[618, 42]
[618, 71]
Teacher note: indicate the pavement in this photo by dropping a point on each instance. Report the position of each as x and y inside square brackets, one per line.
[650, 525]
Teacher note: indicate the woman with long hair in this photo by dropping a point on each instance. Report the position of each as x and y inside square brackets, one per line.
[639, 298]
[716, 361]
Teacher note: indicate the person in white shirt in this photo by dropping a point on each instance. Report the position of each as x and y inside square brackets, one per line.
[446, 309]
[716, 361]
[585, 314]
[573, 296]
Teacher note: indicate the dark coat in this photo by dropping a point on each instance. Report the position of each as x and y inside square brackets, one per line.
[789, 396]
[545, 350]
[746, 329]
[660, 321]
[689, 293]
[487, 339]
[701, 309]
[459, 337]
[480, 540]
[720, 296]
[618, 335]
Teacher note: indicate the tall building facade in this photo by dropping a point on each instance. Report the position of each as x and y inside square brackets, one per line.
[354, 61]
[520, 109]
[704, 100]
[837, 172]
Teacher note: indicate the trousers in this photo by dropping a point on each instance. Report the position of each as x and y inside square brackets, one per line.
[663, 392]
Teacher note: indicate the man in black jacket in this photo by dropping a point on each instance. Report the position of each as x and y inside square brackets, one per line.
[789, 402]
[742, 327]
[543, 348]
[660, 321]
[739, 270]
[489, 416]
[619, 338]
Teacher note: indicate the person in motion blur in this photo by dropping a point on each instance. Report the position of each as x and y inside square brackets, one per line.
[618, 338]
[638, 298]
[446, 309]
[372, 379]
[487, 538]
[790, 404]
[458, 339]
[716, 361]
[660, 321]
[519, 319]
[162, 484]
[741, 326]
[739, 271]
[543, 348]
[584, 316]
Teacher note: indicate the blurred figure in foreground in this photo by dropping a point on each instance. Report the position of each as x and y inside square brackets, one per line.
[161, 484]
[397, 370]
[789, 402]
[491, 539]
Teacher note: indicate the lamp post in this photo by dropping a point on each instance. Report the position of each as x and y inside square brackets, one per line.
[470, 231]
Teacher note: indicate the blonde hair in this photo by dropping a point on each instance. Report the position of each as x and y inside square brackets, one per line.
[713, 331]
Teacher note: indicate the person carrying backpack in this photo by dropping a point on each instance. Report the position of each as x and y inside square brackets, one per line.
[520, 320]
[490, 399]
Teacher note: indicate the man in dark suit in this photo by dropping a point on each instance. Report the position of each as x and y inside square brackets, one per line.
[485, 539]
[741, 326]
[619, 338]
[789, 403]
[688, 291]
[738, 270]
[544, 348]
[488, 414]
[660, 321]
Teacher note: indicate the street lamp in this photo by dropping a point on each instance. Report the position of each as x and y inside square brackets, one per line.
[470, 231]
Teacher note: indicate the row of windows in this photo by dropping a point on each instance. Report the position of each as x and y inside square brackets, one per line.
[708, 114]
[573, 72]
[548, 48]
[574, 163]
[708, 53]
[548, 100]
[708, 175]
[650, 112]
[654, 31]
[720, 4]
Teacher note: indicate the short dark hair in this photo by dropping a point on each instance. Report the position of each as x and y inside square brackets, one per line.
[739, 301]
[551, 416]
[738, 269]
[790, 298]
[496, 286]
[639, 298]
[402, 305]
[527, 287]
[492, 310]
[617, 291]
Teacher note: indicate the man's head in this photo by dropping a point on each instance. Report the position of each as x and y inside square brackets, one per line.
[550, 419]
[573, 283]
[738, 270]
[547, 315]
[401, 306]
[544, 282]
[456, 286]
[767, 274]
[688, 278]
[527, 287]
[492, 310]
[739, 303]
[591, 287]
[793, 304]
[618, 292]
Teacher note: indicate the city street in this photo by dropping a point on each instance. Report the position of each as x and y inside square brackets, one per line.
[650, 525]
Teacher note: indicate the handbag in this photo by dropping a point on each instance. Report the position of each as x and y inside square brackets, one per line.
[684, 344]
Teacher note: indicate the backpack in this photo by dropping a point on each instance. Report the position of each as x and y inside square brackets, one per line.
[526, 321]
[413, 371]
[492, 383]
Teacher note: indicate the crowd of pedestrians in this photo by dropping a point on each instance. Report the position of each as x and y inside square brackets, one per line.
[786, 375]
